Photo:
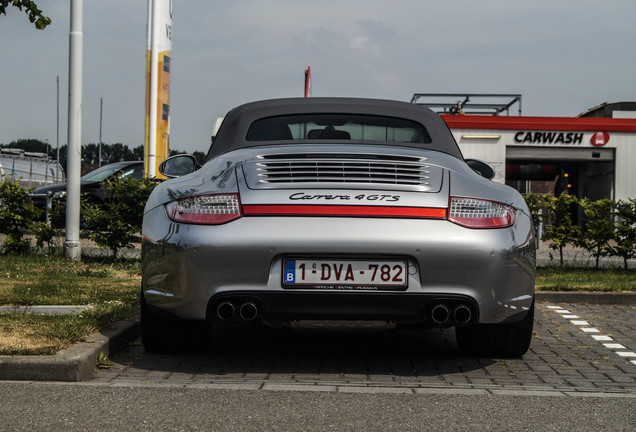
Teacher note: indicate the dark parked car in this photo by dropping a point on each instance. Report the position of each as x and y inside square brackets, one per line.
[90, 183]
[338, 209]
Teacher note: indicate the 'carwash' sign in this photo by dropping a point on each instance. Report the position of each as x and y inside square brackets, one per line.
[549, 138]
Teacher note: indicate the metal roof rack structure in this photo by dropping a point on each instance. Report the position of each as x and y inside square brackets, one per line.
[468, 103]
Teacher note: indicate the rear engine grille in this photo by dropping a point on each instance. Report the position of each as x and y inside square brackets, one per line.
[343, 168]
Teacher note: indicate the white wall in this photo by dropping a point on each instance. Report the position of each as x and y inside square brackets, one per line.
[490, 147]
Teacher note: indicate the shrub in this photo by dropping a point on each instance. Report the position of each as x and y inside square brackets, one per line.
[45, 235]
[16, 216]
[535, 204]
[116, 224]
[625, 235]
[599, 228]
[562, 229]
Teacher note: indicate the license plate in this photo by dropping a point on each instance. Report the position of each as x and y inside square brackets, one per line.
[345, 274]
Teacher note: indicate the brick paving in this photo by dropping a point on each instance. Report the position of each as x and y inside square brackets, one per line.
[563, 359]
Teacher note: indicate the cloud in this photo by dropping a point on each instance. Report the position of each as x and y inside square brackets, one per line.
[364, 46]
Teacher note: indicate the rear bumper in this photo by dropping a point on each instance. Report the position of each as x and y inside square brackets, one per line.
[188, 269]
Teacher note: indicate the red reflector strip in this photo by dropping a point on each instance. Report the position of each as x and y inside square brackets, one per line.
[339, 210]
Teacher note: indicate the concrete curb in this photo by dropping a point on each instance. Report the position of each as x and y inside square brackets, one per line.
[619, 298]
[75, 363]
[44, 310]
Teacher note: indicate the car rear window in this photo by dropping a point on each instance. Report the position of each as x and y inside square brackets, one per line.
[337, 127]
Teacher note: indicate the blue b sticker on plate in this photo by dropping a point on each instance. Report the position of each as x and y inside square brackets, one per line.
[289, 275]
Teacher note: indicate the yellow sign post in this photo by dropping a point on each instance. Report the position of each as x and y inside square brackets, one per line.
[158, 85]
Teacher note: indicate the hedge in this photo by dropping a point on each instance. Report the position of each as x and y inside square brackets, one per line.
[608, 228]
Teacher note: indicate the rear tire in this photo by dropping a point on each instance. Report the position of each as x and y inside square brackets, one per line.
[497, 340]
[156, 334]
[162, 334]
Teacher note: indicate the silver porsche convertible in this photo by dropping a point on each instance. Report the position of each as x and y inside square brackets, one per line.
[337, 209]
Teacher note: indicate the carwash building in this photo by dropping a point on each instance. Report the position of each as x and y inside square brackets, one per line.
[592, 155]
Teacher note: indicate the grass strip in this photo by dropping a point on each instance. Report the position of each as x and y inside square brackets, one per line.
[53, 280]
[585, 279]
[110, 287]
[35, 334]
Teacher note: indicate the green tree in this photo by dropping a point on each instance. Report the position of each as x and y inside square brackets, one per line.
[116, 224]
[116, 153]
[30, 8]
[90, 154]
[535, 204]
[110, 153]
[625, 246]
[138, 153]
[30, 145]
[599, 228]
[562, 229]
[16, 216]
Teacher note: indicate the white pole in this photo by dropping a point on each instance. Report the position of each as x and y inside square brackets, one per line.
[57, 136]
[99, 156]
[72, 245]
[153, 14]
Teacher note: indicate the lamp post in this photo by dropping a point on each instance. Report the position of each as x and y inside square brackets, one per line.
[57, 136]
[99, 156]
[72, 245]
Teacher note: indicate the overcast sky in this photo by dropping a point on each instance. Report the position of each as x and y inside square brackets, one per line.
[562, 56]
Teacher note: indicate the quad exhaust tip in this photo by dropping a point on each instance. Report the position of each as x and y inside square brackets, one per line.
[226, 310]
[248, 311]
[462, 315]
[442, 315]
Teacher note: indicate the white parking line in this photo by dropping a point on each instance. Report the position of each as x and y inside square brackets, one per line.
[614, 346]
[580, 323]
[585, 327]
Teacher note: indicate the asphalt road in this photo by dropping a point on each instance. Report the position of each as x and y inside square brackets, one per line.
[54, 407]
[579, 375]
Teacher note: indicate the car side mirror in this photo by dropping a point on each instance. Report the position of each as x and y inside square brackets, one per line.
[178, 165]
[481, 168]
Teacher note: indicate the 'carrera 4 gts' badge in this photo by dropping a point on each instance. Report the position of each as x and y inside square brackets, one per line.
[360, 197]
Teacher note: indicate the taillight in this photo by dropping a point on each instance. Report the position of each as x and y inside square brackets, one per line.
[478, 213]
[205, 209]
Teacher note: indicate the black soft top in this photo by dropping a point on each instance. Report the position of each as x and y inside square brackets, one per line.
[232, 134]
